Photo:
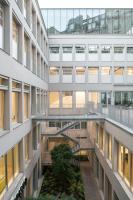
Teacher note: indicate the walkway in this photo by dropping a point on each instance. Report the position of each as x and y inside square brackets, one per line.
[90, 186]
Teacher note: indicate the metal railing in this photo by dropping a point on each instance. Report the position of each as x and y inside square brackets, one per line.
[121, 114]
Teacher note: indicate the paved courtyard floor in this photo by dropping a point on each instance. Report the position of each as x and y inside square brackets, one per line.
[90, 186]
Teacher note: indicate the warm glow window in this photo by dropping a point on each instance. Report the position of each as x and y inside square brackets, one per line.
[2, 109]
[54, 99]
[2, 174]
[67, 99]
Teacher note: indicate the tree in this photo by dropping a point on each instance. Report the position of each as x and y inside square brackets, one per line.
[62, 169]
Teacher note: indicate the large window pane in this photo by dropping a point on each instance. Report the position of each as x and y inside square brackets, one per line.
[127, 160]
[63, 20]
[94, 97]
[128, 22]
[26, 105]
[96, 21]
[10, 167]
[51, 28]
[15, 39]
[1, 26]
[1, 109]
[16, 159]
[80, 99]
[2, 174]
[15, 106]
[54, 99]
[26, 141]
[67, 99]
[57, 21]
[83, 23]
[70, 21]
[89, 20]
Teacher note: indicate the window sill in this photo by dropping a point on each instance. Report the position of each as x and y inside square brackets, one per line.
[15, 125]
[109, 163]
[3, 132]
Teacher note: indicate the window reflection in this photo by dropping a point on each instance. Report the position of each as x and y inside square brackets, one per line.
[110, 21]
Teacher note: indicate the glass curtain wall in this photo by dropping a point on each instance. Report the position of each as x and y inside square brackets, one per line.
[93, 21]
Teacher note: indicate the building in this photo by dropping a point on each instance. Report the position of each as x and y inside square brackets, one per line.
[58, 70]
[23, 93]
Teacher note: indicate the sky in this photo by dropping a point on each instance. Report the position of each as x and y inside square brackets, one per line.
[86, 3]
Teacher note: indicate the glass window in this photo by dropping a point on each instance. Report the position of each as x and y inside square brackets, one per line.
[119, 71]
[105, 49]
[54, 50]
[67, 49]
[25, 8]
[80, 99]
[67, 99]
[67, 70]
[94, 97]
[117, 98]
[130, 71]
[130, 50]
[105, 71]
[15, 96]
[26, 105]
[101, 139]
[118, 49]
[70, 24]
[80, 70]
[128, 21]
[25, 50]
[2, 174]
[115, 17]
[57, 21]
[124, 159]
[83, 125]
[109, 146]
[93, 49]
[2, 109]
[127, 160]
[63, 20]
[102, 21]
[15, 39]
[26, 141]
[132, 171]
[54, 71]
[51, 28]
[80, 49]
[10, 167]
[54, 99]
[16, 159]
[1, 26]
[93, 70]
